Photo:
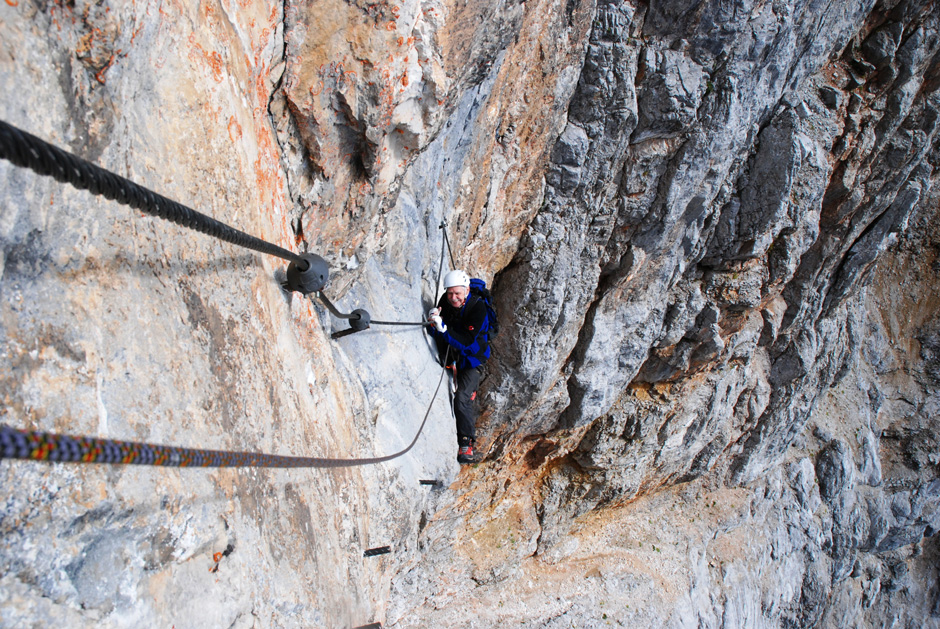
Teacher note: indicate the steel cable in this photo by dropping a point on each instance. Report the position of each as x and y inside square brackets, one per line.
[28, 151]
[450, 251]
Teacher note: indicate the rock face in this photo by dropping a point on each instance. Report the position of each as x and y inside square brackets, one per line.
[712, 233]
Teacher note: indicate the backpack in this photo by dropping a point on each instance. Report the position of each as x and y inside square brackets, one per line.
[478, 288]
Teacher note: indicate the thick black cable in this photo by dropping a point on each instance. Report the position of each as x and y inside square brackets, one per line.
[28, 151]
[356, 314]
[440, 268]
[450, 251]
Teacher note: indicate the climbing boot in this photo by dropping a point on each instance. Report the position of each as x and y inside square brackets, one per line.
[465, 454]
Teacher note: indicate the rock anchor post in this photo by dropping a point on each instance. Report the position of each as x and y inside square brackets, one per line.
[311, 279]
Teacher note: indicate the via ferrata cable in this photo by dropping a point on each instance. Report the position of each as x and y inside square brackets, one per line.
[28, 151]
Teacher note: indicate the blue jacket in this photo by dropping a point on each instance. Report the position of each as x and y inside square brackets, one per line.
[467, 331]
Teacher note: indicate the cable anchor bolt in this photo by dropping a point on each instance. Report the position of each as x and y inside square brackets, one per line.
[359, 320]
[311, 279]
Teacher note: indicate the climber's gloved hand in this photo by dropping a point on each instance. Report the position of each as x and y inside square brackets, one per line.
[434, 317]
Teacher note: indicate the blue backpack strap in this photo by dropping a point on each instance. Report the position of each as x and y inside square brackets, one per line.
[479, 289]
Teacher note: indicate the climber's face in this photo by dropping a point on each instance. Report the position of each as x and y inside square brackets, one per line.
[456, 295]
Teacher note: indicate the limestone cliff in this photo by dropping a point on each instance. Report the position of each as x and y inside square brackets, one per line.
[712, 233]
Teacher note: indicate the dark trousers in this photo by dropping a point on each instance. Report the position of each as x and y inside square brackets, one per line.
[464, 407]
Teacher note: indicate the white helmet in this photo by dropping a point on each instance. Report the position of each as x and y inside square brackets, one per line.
[456, 278]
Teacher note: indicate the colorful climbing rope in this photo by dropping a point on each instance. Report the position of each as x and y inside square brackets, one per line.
[55, 448]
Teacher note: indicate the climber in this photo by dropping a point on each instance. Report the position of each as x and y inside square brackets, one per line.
[460, 321]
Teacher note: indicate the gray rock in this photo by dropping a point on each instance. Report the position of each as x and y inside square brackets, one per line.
[571, 148]
[835, 471]
[869, 472]
[670, 95]
[831, 97]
